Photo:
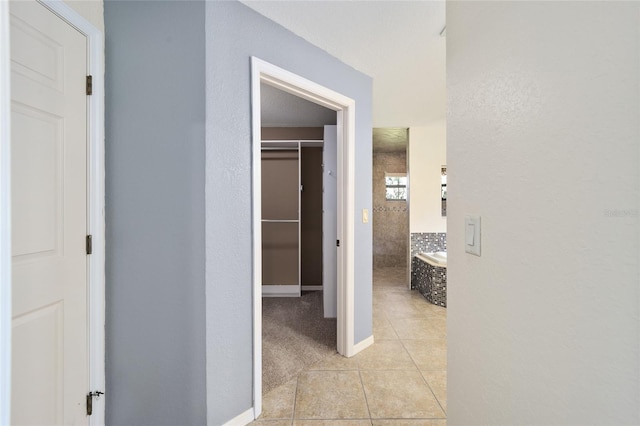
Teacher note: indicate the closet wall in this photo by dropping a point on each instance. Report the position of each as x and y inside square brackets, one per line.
[280, 242]
[311, 215]
[310, 211]
[292, 133]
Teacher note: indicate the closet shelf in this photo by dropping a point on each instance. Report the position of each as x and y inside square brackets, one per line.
[280, 220]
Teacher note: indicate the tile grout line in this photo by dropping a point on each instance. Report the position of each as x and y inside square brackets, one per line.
[425, 380]
[395, 333]
[295, 398]
[416, 365]
[391, 324]
[434, 395]
[366, 400]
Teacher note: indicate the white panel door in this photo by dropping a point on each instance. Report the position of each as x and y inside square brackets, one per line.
[49, 209]
[329, 218]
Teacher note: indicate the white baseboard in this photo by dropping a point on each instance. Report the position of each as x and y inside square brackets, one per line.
[280, 291]
[360, 346]
[242, 419]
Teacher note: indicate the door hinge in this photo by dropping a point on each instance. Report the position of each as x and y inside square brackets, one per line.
[337, 243]
[89, 244]
[90, 396]
[89, 85]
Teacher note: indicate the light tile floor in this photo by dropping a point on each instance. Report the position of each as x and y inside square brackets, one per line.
[400, 380]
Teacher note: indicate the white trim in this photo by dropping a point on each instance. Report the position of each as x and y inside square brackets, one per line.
[257, 241]
[311, 287]
[638, 200]
[264, 72]
[359, 347]
[280, 291]
[299, 217]
[346, 226]
[408, 165]
[96, 197]
[241, 419]
[5, 217]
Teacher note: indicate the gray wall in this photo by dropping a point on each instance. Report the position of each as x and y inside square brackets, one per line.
[155, 110]
[543, 138]
[234, 34]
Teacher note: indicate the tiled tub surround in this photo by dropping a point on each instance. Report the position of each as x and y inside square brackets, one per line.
[428, 242]
[430, 280]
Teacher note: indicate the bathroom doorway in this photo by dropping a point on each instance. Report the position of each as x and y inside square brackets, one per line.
[390, 201]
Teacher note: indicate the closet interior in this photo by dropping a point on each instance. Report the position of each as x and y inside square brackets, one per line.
[292, 217]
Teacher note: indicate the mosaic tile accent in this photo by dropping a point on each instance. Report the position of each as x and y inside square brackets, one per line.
[378, 209]
[430, 281]
[428, 242]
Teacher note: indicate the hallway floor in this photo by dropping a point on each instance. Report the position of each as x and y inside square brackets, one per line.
[399, 380]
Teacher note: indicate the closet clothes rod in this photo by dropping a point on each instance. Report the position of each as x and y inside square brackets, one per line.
[292, 142]
[275, 148]
[280, 220]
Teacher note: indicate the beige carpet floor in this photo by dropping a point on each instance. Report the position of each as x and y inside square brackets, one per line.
[295, 335]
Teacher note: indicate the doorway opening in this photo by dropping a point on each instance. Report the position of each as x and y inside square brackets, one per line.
[391, 201]
[344, 107]
[299, 274]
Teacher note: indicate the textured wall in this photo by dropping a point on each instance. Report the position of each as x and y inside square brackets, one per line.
[543, 144]
[390, 218]
[155, 110]
[234, 34]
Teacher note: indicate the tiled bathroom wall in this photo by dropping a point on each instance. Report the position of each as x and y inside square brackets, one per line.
[390, 218]
[428, 242]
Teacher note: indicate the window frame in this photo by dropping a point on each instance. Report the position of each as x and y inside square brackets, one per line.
[398, 186]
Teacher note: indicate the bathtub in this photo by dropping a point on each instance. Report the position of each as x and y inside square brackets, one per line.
[438, 258]
[429, 276]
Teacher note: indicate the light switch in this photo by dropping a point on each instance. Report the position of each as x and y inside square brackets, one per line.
[365, 215]
[472, 235]
[471, 230]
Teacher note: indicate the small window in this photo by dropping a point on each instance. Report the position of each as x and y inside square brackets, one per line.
[396, 184]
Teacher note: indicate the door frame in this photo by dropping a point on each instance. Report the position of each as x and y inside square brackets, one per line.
[264, 72]
[95, 207]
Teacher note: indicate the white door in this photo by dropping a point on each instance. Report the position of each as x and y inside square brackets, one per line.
[329, 218]
[49, 209]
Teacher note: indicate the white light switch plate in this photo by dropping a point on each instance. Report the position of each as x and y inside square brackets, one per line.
[472, 234]
[365, 215]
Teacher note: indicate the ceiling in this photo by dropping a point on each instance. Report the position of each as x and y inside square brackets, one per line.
[390, 139]
[397, 43]
[281, 109]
